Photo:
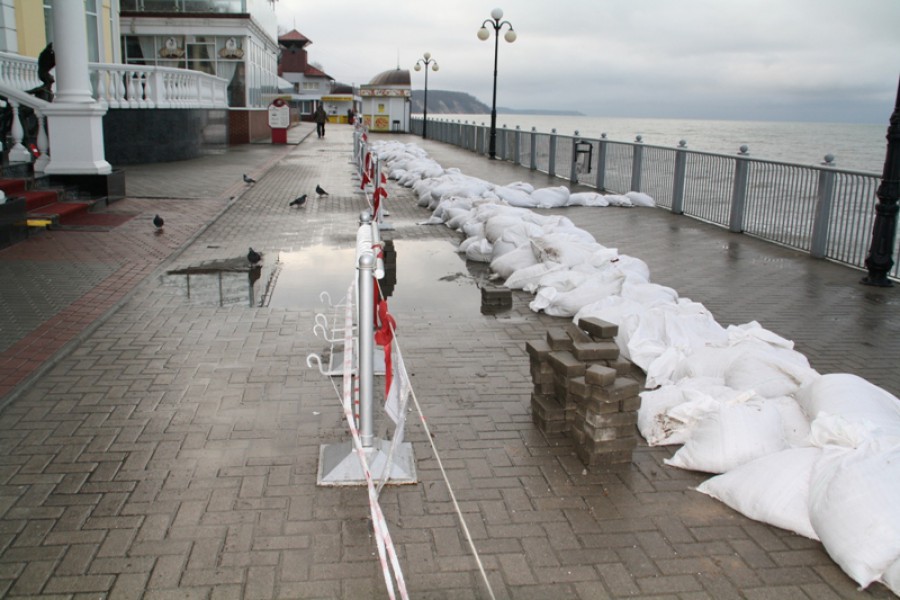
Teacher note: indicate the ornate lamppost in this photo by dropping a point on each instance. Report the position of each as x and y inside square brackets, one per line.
[509, 36]
[425, 60]
[879, 260]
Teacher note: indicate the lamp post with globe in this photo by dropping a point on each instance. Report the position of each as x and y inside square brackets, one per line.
[509, 36]
[425, 60]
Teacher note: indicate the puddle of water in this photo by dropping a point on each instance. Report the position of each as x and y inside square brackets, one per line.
[227, 282]
[429, 275]
[425, 275]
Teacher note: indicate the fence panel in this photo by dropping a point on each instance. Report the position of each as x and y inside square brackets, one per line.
[709, 181]
[619, 158]
[658, 174]
[781, 203]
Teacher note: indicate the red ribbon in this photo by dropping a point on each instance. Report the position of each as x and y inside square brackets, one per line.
[384, 336]
[380, 193]
[365, 174]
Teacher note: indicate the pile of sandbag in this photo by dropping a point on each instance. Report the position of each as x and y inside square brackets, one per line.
[815, 454]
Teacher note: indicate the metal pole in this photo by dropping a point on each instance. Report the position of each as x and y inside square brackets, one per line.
[425, 107]
[880, 259]
[366, 347]
[493, 138]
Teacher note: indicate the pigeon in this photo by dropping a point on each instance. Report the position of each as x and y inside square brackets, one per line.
[298, 201]
[320, 191]
[158, 222]
[248, 179]
[253, 256]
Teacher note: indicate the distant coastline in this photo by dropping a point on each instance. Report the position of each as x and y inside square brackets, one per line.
[445, 102]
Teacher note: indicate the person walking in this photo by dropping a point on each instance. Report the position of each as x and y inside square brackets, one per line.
[320, 117]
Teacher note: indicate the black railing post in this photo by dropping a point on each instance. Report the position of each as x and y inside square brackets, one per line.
[881, 253]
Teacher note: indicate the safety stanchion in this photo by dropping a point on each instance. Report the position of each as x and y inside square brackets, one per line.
[337, 465]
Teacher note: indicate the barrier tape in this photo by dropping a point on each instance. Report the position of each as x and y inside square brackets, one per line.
[384, 543]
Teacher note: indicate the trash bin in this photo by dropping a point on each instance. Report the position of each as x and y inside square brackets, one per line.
[395, 125]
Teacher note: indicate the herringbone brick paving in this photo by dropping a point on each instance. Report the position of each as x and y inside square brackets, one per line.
[173, 451]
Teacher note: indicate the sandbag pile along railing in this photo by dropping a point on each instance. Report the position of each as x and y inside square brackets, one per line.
[825, 211]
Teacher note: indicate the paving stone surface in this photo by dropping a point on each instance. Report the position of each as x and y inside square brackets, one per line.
[169, 447]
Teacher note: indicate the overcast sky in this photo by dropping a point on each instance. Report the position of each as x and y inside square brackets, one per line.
[799, 60]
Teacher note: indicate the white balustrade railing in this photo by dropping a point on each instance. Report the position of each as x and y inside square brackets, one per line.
[116, 86]
[129, 86]
[18, 72]
[136, 86]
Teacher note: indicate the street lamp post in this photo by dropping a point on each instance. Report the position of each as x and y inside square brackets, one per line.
[425, 60]
[509, 36]
[881, 251]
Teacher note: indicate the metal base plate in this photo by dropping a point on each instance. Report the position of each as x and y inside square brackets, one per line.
[340, 465]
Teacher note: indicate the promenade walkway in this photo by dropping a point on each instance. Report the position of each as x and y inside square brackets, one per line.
[154, 446]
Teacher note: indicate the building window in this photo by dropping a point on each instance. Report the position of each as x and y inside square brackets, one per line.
[93, 30]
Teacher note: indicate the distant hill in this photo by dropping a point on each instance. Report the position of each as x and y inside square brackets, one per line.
[445, 102]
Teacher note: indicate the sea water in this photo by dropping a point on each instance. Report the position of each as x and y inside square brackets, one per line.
[855, 147]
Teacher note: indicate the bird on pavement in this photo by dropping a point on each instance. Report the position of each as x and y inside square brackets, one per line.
[253, 256]
[158, 222]
[320, 191]
[298, 201]
[248, 179]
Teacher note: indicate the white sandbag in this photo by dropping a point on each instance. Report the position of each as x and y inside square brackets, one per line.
[794, 423]
[523, 186]
[853, 508]
[563, 249]
[566, 304]
[564, 280]
[686, 325]
[773, 489]
[717, 360]
[588, 199]
[550, 197]
[473, 229]
[521, 233]
[640, 199]
[891, 577]
[755, 332]
[514, 197]
[501, 247]
[618, 200]
[513, 260]
[731, 436]
[480, 251]
[853, 398]
[497, 224]
[660, 424]
[836, 430]
[635, 269]
[768, 372]
[649, 294]
[527, 278]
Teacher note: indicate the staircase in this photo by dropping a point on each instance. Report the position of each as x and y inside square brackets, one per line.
[44, 207]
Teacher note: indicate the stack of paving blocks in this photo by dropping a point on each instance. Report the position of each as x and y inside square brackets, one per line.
[495, 298]
[581, 389]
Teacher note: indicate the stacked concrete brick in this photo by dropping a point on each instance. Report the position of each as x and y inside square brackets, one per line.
[581, 389]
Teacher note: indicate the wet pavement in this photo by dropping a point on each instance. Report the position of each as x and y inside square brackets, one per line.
[160, 444]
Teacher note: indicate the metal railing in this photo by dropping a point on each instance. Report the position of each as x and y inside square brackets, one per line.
[825, 211]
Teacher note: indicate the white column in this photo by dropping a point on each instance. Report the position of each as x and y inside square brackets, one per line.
[74, 119]
[73, 82]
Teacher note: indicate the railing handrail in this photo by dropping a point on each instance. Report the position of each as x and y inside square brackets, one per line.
[823, 209]
[24, 98]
